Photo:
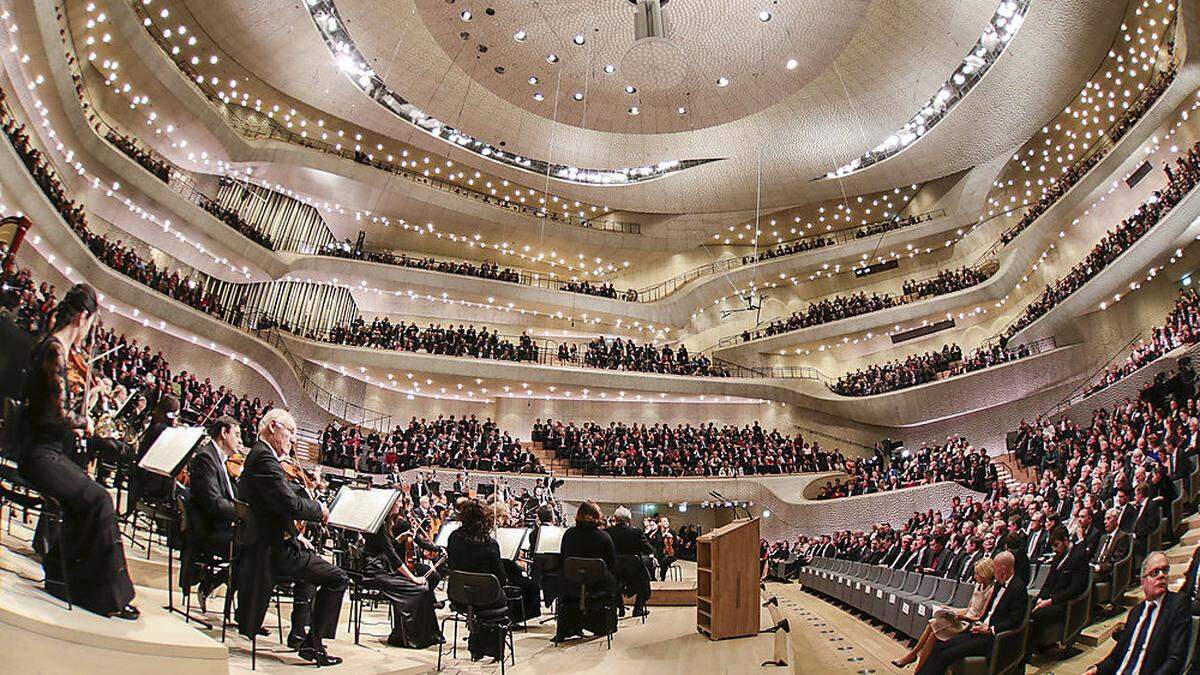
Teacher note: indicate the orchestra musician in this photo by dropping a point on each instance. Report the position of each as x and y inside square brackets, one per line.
[388, 568]
[96, 574]
[417, 528]
[279, 551]
[633, 560]
[144, 485]
[515, 570]
[210, 508]
[471, 548]
[663, 541]
[586, 540]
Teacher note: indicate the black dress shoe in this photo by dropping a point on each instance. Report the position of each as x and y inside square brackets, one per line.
[128, 612]
[319, 656]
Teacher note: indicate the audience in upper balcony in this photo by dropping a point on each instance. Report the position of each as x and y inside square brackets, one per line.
[789, 248]
[484, 270]
[844, 307]
[115, 254]
[1071, 174]
[1182, 326]
[152, 163]
[604, 290]
[381, 333]
[455, 442]
[683, 450]
[886, 226]
[1117, 240]
[955, 460]
[921, 368]
[625, 354]
[946, 281]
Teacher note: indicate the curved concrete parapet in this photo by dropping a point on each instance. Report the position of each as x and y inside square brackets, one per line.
[39, 635]
[791, 514]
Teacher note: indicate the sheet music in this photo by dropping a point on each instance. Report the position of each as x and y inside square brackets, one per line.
[168, 452]
[443, 535]
[550, 539]
[362, 510]
[511, 540]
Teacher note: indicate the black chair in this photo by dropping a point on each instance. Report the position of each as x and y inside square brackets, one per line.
[582, 572]
[1107, 591]
[1078, 614]
[1007, 656]
[245, 534]
[478, 601]
[630, 571]
[17, 493]
[352, 560]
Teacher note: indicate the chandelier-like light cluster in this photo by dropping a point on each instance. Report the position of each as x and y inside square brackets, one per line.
[354, 64]
[1005, 23]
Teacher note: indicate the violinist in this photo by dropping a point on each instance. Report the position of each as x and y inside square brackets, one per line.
[387, 568]
[210, 508]
[144, 485]
[418, 521]
[279, 552]
[663, 540]
[52, 421]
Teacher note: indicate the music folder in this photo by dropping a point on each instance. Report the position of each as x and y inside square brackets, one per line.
[443, 536]
[511, 540]
[170, 450]
[550, 539]
[362, 510]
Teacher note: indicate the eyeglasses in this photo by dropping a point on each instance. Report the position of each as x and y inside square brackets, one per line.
[1157, 572]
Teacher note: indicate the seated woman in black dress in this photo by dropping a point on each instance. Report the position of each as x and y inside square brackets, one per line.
[471, 548]
[531, 606]
[414, 623]
[587, 540]
[96, 573]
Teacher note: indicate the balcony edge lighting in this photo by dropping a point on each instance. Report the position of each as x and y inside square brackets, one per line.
[1003, 26]
[353, 64]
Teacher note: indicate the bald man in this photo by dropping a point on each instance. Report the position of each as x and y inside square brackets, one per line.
[1005, 612]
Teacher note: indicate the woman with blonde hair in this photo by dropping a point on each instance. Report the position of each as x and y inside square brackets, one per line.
[942, 627]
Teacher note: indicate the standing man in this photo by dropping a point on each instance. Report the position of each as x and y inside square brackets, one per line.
[279, 551]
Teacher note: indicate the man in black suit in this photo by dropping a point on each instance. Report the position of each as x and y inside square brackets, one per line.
[279, 552]
[939, 558]
[633, 560]
[210, 509]
[966, 566]
[1146, 521]
[1128, 512]
[1037, 543]
[1067, 580]
[1155, 636]
[1085, 533]
[1113, 546]
[1005, 611]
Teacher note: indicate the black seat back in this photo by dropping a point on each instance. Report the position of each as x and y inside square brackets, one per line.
[471, 589]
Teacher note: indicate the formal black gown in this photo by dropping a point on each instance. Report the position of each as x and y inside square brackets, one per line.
[96, 572]
[586, 540]
[414, 623]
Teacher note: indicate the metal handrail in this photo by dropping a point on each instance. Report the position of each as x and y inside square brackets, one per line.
[846, 234]
[988, 268]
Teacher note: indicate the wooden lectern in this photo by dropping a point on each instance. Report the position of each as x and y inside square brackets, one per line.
[727, 578]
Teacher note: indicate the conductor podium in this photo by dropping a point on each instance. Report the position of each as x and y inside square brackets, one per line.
[727, 578]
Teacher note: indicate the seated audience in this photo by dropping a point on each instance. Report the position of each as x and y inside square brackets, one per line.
[457, 442]
[1155, 636]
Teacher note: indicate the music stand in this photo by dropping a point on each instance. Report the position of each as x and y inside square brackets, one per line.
[362, 510]
[166, 457]
[443, 536]
[511, 541]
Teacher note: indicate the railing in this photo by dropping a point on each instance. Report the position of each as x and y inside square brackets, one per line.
[261, 126]
[780, 372]
[847, 234]
[987, 269]
[327, 400]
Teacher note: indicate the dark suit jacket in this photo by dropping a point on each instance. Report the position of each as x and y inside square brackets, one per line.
[1118, 549]
[1147, 522]
[1128, 514]
[1011, 607]
[1188, 588]
[211, 502]
[274, 505]
[1166, 651]
[1068, 577]
[629, 541]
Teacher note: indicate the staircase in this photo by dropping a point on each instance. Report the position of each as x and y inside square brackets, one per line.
[560, 467]
[1010, 474]
[308, 448]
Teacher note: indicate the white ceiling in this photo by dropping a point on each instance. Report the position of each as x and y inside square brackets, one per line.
[862, 74]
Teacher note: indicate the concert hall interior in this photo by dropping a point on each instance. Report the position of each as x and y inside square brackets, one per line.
[638, 336]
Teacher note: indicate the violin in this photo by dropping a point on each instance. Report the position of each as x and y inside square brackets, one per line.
[234, 464]
[302, 478]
